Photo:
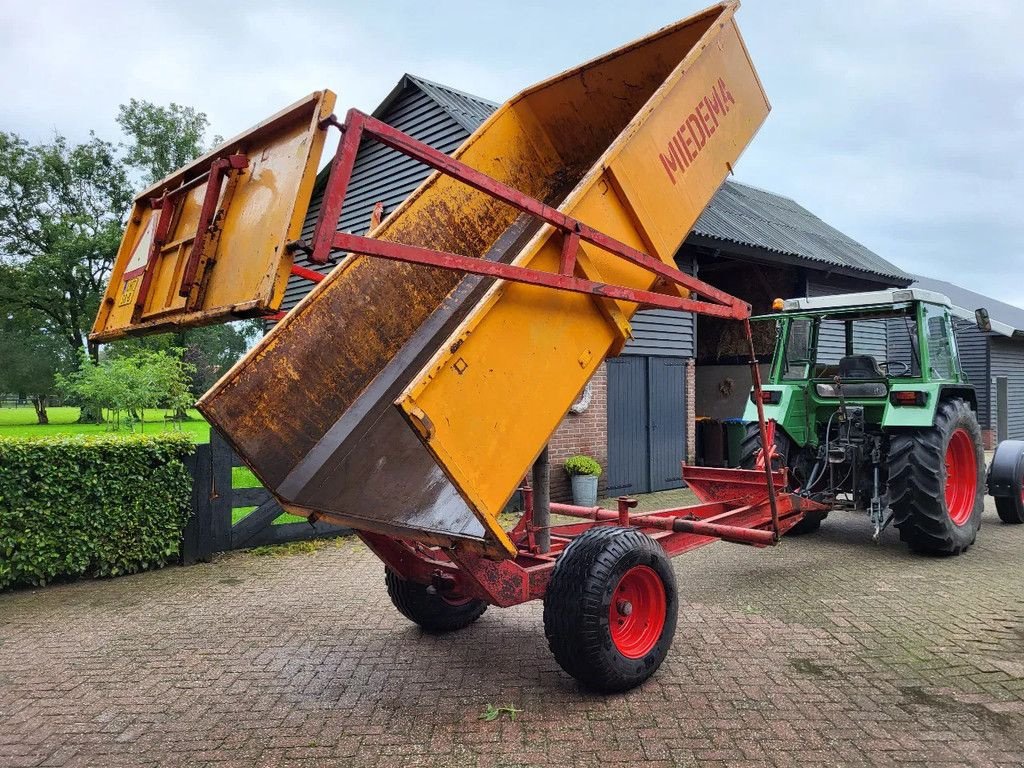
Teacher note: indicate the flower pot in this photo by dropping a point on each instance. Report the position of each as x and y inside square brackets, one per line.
[584, 490]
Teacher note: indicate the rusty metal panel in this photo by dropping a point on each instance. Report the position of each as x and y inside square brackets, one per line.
[482, 372]
[207, 244]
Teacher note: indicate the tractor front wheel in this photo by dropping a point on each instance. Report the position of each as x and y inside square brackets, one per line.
[610, 608]
[936, 481]
[430, 609]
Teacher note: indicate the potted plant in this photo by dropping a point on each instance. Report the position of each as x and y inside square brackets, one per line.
[583, 472]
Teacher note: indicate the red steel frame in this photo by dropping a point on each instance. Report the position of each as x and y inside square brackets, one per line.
[735, 515]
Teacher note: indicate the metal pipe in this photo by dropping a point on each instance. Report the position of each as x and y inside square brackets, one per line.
[732, 533]
[542, 501]
[755, 375]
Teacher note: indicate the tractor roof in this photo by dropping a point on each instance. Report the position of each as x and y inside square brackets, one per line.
[880, 300]
[865, 300]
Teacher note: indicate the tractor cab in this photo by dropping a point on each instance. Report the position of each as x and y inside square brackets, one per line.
[892, 353]
[870, 411]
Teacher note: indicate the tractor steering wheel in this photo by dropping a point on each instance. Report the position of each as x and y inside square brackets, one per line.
[890, 363]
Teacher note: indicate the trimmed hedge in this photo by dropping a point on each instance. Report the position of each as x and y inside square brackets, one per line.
[90, 505]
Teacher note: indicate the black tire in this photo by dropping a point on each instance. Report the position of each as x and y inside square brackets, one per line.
[1010, 509]
[749, 449]
[587, 581]
[918, 482]
[430, 610]
[1006, 481]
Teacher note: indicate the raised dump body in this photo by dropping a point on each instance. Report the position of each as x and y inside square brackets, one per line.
[409, 400]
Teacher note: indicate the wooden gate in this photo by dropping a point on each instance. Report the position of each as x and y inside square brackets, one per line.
[228, 515]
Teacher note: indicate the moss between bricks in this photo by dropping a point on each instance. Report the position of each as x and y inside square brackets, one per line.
[90, 505]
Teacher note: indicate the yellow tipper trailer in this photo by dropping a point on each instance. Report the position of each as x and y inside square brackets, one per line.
[410, 391]
[411, 400]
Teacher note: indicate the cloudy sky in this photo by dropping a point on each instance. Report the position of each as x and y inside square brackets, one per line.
[900, 123]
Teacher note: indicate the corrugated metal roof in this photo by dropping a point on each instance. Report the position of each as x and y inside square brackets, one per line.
[746, 215]
[468, 110]
[998, 311]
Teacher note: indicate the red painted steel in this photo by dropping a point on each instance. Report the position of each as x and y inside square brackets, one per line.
[307, 274]
[636, 614]
[414, 254]
[961, 477]
[357, 124]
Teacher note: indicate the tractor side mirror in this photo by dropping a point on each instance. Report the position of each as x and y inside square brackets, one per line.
[982, 319]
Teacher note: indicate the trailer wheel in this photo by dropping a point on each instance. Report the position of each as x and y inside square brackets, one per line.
[750, 448]
[432, 611]
[936, 481]
[1006, 481]
[610, 608]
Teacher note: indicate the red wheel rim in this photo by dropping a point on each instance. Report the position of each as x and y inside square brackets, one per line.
[961, 477]
[636, 616]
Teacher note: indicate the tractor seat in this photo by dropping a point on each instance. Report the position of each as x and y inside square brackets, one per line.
[860, 367]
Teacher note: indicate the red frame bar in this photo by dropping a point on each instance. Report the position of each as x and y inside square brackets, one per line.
[357, 124]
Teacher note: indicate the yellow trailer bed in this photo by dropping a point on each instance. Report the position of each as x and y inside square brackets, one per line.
[409, 400]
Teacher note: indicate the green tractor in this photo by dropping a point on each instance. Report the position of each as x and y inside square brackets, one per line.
[870, 411]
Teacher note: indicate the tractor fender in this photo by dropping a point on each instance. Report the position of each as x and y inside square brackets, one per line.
[1005, 468]
[924, 416]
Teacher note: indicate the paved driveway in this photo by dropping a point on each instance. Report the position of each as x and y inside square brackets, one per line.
[828, 650]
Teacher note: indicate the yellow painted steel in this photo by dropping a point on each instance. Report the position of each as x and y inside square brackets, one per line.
[262, 207]
[493, 395]
[349, 410]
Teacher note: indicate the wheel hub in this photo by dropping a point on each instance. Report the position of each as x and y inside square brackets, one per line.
[636, 616]
[961, 477]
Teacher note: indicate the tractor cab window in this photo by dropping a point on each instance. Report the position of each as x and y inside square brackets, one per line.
[852, 347]
[799, 349]
[940, 356]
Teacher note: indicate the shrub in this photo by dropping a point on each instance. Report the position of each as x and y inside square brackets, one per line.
[90, 505]
[582, 465]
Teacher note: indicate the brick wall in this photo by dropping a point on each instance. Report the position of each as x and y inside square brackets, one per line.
[585, 433]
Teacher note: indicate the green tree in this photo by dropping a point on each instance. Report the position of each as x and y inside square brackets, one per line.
[162, 139]
[129, 384]
[62, 209]
[31, 360]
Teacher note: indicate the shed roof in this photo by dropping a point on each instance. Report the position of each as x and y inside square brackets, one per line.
[746, 215]
[468, 110]
[998, 311]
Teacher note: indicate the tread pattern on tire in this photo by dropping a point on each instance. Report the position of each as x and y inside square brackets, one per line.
[917, 468]
[431, 612]
[574, 606]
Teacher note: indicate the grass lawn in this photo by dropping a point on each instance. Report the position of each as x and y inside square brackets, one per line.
[21, 422]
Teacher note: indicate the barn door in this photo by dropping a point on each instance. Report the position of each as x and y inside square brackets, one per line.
[627, 426]
[666, 386]
[646, 424]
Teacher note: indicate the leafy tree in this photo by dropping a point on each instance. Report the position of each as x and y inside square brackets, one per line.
[31, 360]
[162, 139]
[62, 209]
[129, 384]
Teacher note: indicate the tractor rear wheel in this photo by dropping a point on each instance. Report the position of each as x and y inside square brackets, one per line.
[750, 450]
[431, 609]
[610, 608]
[936, 481]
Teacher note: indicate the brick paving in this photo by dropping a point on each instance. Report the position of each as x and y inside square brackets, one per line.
[829, 650]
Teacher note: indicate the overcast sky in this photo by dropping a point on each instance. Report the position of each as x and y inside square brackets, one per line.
[900, 123]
